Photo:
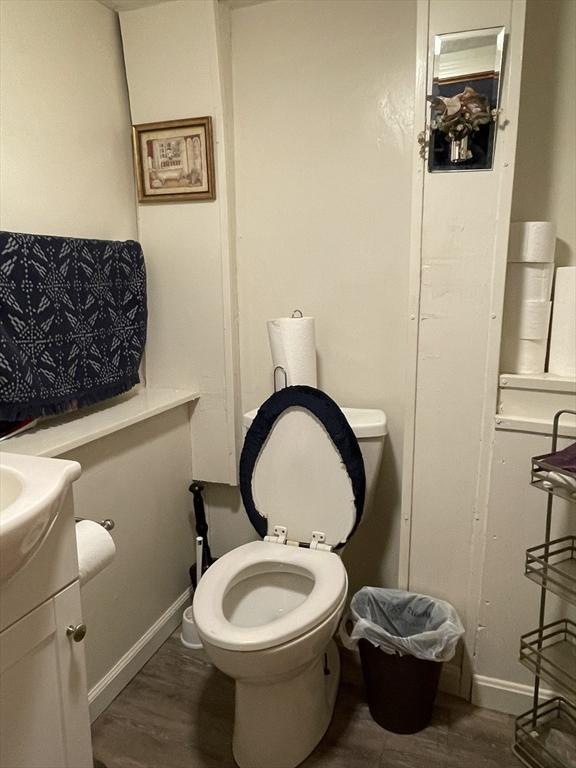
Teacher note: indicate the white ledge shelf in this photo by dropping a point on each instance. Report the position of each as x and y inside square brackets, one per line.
[533, 426]
[544, 382]
[61, 434]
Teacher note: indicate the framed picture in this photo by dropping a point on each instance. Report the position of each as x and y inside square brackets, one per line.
[174, 160]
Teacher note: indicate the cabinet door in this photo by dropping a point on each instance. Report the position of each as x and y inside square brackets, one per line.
[43, 699]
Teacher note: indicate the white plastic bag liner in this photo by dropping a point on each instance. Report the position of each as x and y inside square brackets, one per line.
[406, 623]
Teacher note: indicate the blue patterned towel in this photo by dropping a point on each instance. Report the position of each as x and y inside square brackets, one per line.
[72, 322]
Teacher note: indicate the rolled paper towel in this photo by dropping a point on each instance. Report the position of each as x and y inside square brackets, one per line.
[562, 358]
[532, 241]
[526, 316]
[526, 356]
[525, 336]
[96, 549]
[293, 346]
[529, 281]
[533, 319]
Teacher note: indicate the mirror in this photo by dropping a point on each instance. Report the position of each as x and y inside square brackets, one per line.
[465, 98]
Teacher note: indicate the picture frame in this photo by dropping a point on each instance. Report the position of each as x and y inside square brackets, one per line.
[174, 160]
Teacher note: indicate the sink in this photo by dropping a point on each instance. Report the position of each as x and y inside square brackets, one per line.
[31, 494]
[10, 487]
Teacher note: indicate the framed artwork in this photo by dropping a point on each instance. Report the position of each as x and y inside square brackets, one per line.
[174, 160]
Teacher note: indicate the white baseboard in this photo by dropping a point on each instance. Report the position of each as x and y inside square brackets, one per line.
[490, 692]
[504, 695]
[117, 678]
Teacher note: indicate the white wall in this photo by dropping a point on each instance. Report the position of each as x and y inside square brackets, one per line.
[67, 170]
[544, 181]
[173, 70]
[544, 189]
[473, 511]
[323, 108]
[465, 220]
[323, 114]
[65, 156]
[139, 477]
[510, 601]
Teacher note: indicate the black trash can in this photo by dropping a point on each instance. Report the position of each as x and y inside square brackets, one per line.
[403, 639]
[400, 689]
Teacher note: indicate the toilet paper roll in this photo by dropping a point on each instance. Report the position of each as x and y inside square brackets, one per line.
[526, 356]
[528, 319]
[532, 241]
[96, 549]
[529, 281]
[293, 346]
[562, 358]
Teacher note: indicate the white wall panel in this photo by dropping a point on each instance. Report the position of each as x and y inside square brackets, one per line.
[138, 477]
[67, 170]
[65, 153]
[323, 117]
[173, 70]
[544, 178]
[464, 236]
[516, 521]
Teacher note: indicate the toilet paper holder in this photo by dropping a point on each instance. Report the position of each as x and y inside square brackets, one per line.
[107, 524]
[297, 314]
[283, 370]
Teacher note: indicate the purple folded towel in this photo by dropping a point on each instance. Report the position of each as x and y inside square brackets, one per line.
[565, 460]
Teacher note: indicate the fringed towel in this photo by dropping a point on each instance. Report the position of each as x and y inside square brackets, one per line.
[72, 322]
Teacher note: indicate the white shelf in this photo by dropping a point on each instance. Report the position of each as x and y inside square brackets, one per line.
[60, 434]
[545, 382]
[534, 426]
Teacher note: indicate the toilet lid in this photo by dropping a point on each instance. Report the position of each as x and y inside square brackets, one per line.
[301, 467]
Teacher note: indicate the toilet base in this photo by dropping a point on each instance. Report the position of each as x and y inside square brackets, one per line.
[279, 723]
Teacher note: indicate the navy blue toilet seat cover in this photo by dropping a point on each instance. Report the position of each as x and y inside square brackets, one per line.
[334, 422]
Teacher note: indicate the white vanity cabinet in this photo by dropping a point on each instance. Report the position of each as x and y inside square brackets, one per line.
[43, 699]
[44, 720]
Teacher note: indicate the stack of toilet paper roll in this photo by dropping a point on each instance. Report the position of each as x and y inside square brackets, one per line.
[527, 305]
[562, 357]
[293, 348]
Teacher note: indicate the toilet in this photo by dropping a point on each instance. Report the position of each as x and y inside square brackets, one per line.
[267, 611]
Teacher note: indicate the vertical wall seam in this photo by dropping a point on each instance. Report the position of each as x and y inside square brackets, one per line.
[414, 288]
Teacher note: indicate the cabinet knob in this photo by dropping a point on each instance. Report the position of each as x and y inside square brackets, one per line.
[76, 632]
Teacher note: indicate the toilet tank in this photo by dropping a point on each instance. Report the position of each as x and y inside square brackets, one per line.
[370, 427]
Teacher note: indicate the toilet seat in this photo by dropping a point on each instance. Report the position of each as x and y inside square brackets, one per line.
[301, 474]
[325, 569]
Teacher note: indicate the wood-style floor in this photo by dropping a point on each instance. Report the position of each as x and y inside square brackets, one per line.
[178, 713]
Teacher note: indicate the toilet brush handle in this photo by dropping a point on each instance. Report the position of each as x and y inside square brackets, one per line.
[201, 524]
[199, 552]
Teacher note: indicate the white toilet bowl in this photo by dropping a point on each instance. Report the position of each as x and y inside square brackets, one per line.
[268, 610]
[266, 614]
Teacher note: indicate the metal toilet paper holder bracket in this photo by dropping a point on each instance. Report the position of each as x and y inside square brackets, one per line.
[283, 370]
[107, 524]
